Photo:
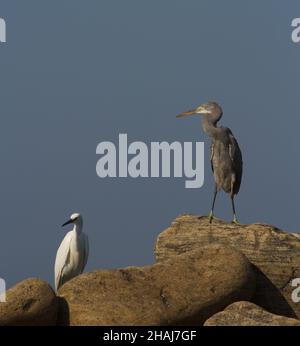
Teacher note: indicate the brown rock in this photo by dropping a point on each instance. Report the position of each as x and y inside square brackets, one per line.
[248, 314]
[275, 254]
[184, 290]
[31, 302]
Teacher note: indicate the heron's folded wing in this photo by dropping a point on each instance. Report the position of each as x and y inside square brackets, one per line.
[86, 251]
[236, 158]
[62, 259]
[234, 150]
[212, 156]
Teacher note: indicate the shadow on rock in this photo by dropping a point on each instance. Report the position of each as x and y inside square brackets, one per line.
[270, 297]
[63, 316]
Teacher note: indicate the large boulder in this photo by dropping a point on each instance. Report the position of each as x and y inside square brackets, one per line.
[248, 314]
[187, 289]
[31, 302]
[275, 254]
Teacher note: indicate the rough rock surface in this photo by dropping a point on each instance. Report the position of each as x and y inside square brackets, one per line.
[187, 289]
[275, 254]
[31, 302]
[248, 314]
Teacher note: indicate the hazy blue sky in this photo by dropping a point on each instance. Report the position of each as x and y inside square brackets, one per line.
[75, 73]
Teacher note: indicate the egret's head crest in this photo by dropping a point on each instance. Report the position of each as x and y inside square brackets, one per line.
[75, 216]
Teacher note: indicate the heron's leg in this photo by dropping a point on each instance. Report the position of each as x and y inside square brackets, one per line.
[233, 210]
[211, 214]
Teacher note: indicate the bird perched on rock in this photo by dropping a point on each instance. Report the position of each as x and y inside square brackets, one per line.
[72, 253]
[226, 156]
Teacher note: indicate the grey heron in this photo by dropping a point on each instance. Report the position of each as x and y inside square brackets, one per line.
[226, 157]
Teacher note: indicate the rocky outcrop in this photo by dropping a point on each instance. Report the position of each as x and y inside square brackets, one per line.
[248, 314]
[274, 253]
[215, 274]
[31, 302]
[186, 289]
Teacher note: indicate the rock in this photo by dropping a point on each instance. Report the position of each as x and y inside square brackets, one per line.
[248, 314]
[31, 302]
[186, 289]
[275, 254]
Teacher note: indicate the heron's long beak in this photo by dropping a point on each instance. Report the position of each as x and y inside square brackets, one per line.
[67, 223]
[184, 114]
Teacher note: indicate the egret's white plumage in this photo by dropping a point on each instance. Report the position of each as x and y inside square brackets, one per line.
[72, 253]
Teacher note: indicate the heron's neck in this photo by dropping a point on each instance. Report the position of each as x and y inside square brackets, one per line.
[209, 124]
[78, 228]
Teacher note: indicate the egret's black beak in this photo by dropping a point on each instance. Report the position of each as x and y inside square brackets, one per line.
[184, 114]
[67, 223]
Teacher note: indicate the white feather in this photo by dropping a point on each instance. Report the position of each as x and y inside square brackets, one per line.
[72, 254]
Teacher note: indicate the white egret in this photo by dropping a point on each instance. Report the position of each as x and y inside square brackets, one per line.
[72, 253]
